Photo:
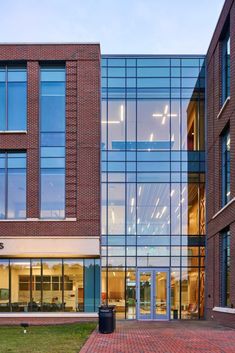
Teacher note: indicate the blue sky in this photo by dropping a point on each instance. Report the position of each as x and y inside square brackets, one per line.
[121, 26]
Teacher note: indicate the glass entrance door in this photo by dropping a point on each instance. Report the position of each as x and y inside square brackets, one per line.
[153, 294]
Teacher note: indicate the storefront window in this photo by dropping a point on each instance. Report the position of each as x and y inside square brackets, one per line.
[49, 285]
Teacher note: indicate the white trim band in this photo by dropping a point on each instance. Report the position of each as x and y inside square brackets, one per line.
[223, 208]
[224, 310]
[223, 107]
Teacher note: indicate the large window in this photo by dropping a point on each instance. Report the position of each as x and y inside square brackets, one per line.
[225, 271]
[226, 68]
[52, 106]
[13, 98]
[12, 185]
[49, 285]
[225, 142]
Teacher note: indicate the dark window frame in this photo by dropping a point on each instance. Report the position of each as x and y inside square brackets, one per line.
[225, 67]
[225, 297]
[225, 167]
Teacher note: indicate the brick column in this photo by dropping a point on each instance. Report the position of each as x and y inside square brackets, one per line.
[88, 146]
[71, 138]
[33, 187]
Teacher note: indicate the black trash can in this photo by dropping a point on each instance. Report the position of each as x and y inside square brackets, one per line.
[107, 318]
[175, 314]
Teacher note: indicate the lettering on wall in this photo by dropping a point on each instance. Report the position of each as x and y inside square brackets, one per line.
[1, 246]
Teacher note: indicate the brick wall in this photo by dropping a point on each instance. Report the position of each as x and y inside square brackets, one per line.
[82, 139]
[215, 125]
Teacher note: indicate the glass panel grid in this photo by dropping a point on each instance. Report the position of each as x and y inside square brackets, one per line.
[153, 208]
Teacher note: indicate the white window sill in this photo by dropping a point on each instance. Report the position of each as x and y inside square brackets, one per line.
[224, 310]
[223, 107]
[13, 132]
[223, 208]
[39, 220]
[50, 314]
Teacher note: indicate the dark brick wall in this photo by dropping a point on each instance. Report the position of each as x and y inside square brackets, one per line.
[82, 139]
[215, 125]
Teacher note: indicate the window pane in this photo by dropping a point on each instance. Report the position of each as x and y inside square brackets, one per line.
[153, 127]
[52, 193]
[20, 285]
[52, 285]
[73, 285]
[53, 106]
[17, 105]
[16, 193]
[116, 291]
[2, 192]
[116, 125]
[116, 208]
[4, 286]
[189, 294]
[2, 106]
[89, 288]
[153, 207]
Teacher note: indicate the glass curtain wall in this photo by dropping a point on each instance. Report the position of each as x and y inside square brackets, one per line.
[153, 165]
[49, 285]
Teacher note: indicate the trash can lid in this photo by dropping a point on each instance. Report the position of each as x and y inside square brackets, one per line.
[104, 306]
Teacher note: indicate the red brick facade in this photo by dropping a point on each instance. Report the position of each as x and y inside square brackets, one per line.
[217, 120]
[82, 139]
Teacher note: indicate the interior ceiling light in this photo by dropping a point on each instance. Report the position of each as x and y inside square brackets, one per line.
[110, 122]
[164, 115]
[113, 217]
[122, 112]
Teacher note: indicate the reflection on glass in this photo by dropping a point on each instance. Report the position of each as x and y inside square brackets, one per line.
[153, 121]
[116, 290]
[20, 285]
[189, 294]
[131, 208]
[4, 286]
[116, 208]
[193, 209]
[52, 285]
[153, 209]
[73, 285]
[13, 185]
[116, 125]
[52, 128]
[145, 293]
[161, 293]
[131, 294]
[175, 293]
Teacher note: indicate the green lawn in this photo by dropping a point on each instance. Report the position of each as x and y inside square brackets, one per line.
[45, 339]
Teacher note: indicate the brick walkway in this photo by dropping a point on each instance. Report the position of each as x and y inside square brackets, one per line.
[163, 337]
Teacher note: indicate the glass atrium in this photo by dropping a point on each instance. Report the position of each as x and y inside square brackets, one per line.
[153, 186]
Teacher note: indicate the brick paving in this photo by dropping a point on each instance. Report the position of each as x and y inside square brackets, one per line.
[163, 337]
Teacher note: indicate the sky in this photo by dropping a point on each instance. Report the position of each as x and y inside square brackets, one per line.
[120, 26]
